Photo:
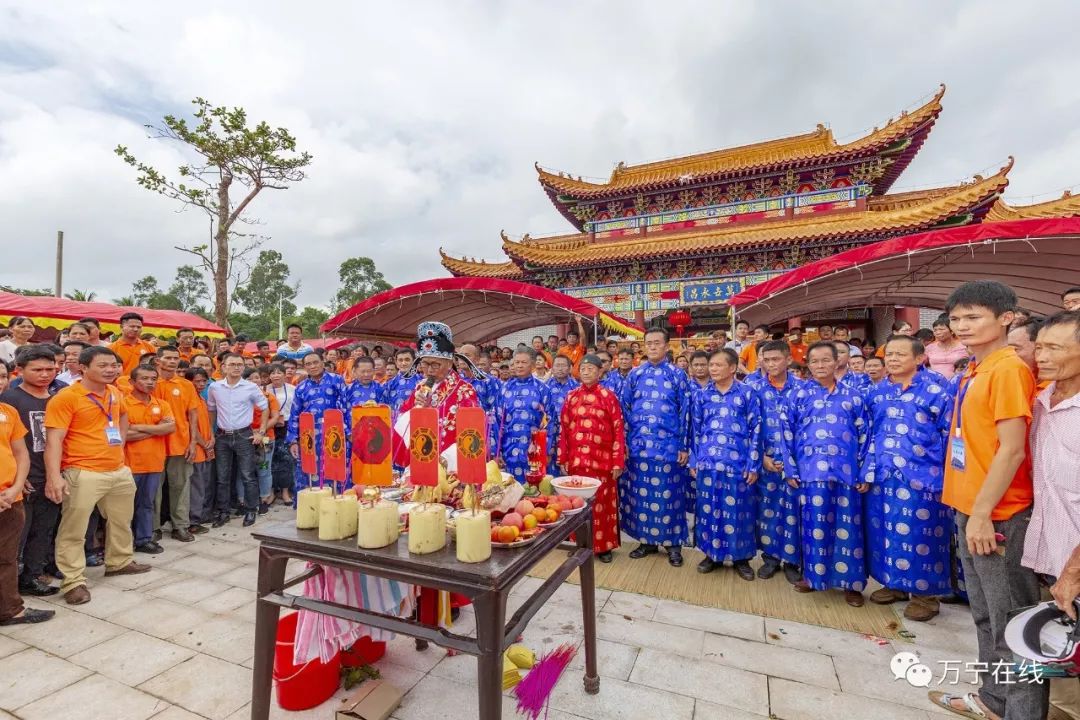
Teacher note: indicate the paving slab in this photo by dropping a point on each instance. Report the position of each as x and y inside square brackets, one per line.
[132, 658]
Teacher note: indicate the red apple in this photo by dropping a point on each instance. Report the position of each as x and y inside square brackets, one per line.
[577, 502]
[514, 520]
[524, 507]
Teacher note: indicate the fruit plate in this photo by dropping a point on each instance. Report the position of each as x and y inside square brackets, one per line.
[573, 511]
[561, 518]
[521, 541]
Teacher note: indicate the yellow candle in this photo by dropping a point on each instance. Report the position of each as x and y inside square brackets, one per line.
[337, 518]
[473, 536]
[378, 524]
[427, 528]
[307, 507]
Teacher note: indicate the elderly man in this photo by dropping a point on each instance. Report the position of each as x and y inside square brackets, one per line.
[488, 389]
[1054, 530]
[319, 392]
[560, 384]
[524, 407]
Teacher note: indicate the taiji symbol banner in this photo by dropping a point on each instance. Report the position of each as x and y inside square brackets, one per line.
[472, 446]
[333, 449]
[308, 463]
[371, 443]
[424, 447]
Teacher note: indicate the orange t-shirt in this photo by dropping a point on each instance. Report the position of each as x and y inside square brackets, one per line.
[999, 388]
[204, 429]
[123, 384]
[188, 354]
[86, 445]
[748, 357]
[575, 354]
[148, 454]
[11, 431]
[131, 352]
[256, 416]
[182, 397]
[798, 352]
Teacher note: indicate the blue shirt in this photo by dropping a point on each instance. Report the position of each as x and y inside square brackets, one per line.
[831, 434]
[726, 428]
[656, 409]
[329, 393]
[287, 352]
[235, 404]
[909, 430]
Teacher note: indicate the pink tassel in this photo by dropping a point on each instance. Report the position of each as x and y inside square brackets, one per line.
[534, 691]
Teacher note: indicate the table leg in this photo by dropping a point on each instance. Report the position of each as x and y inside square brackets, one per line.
[490, 610]
[588, 608]
[271, 579]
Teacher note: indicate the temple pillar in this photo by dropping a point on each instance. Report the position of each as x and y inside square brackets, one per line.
[910, 315]
[639, 318]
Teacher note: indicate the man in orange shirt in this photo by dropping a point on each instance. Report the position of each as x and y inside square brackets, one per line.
[203, 483]
[988, 483]
[798, 347]
[150, 420]
[85, 425]
[14, 469]
[573, 348]
[129, 348]
[185, 344]
[180, 446]
[748, 358]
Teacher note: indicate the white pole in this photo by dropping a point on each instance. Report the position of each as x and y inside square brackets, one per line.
[280, 328]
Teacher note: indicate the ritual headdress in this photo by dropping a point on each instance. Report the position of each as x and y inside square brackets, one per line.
[436, 340]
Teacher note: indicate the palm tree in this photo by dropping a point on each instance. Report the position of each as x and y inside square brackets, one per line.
[126, 301]
[81, 295]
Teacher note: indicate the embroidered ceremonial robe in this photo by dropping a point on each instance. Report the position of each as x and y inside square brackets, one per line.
[397, 390]
[856, 381]
[613, 381]
[559, 392]
[447, 396]
[592, 443]
[523, 407]
[910, 530]
[831, 437]
[778, 502]
[652, 493]
[726, 442]
[688, 478]
[316, 397]
[488, 389]
[358, 394]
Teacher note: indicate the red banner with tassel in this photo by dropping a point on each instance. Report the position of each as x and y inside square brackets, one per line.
[424, 447]
[372, 440]
[472, 445]
[333, 449]
[306, 442]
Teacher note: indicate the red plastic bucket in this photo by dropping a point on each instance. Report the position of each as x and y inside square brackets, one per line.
[364, 651]
[300, 687]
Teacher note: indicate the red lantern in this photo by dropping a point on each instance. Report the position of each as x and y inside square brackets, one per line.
[679, 320]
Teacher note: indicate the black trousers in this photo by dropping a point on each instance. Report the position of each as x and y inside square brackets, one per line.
[235, 458]
[283, 467]
[38, 533]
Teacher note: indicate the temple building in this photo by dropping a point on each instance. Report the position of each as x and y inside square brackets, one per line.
[690, 232]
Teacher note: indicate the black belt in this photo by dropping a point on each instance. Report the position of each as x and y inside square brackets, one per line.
[243, 431]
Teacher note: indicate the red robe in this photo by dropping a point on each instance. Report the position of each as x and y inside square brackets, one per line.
[447, 396]
[592, 443]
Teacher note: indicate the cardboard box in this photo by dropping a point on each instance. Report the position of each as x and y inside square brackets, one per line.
[374, 700]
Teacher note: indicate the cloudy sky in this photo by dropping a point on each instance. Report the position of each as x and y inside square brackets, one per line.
[425, 118]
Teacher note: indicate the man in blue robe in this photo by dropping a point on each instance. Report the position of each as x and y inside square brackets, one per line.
[909, 527]
[401, 387]
[778, 502]
[725, 419]
[610, 378]
[318, 392]
[559, 385]
[844, 374]
[652, 493]
[364, 389]
[830, 429]
[488, 390]
[524, 407]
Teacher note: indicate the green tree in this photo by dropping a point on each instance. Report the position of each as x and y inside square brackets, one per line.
[255, 327]
[145, 290]
[27, 292]
[310, 318]
[268, 284]
[360, 279]
[81, 295]
[189, 288]
[234, 163]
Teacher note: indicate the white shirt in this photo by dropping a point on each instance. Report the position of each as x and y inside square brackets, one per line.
[67, 377]
[285, 396]
[235, 404]
[7, 351]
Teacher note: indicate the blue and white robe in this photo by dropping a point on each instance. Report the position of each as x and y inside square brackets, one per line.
[689, 480]
[488, 391]
[358, 394]
[726, 443]
[652, 492]
[613, 381]
[831, 438]
[398, 389]
[559, 391]
[524, 405]
[910, 530]
[778, 503]
[329, 393]
[856, 381]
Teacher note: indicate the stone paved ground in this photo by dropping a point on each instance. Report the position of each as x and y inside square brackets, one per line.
[176, 644]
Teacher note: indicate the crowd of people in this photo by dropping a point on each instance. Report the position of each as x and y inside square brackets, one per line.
[940, 463]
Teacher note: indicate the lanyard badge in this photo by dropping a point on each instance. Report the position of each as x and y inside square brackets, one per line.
[112, 433]
[957, 451]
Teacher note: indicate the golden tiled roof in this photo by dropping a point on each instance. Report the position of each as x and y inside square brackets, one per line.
[816, 145]
[480, 268]
[911, 216]
[1068, 205]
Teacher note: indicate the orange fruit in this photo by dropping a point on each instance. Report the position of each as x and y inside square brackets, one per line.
[530, 522]
[552, 515]
[507, 534]
[540, 514]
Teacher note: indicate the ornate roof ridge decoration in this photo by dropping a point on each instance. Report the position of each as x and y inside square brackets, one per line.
[1068, 205]
[896, 201]
[471, 267]
[818, 144]
[909, 217]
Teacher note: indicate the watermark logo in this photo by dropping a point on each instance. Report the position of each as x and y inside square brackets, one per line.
[906, 666]
[909, 667]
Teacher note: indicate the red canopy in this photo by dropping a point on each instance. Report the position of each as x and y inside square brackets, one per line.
[476, 309]
[58, 313]
[1038, 258]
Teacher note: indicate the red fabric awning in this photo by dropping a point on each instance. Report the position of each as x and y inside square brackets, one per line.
[58, 313]
[1038, 258]
[476, 309]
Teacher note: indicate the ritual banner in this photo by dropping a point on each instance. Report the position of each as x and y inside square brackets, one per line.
[424, 447]
[333, 449]
[306, 442]
[371, 445]
[472, 446]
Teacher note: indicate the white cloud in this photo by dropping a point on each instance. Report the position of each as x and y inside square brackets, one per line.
[425, 118]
